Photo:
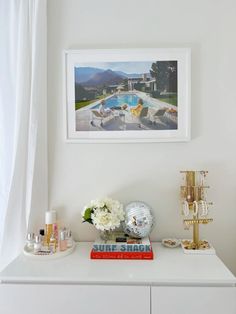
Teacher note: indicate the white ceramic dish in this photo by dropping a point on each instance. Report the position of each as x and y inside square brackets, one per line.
[171, 243]
[59, 254]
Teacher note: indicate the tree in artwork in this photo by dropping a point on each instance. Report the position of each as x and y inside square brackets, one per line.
[165, 74]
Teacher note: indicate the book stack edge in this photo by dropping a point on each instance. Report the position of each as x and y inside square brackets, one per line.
[122, 246]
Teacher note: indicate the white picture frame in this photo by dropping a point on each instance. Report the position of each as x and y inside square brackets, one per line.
[114, 75]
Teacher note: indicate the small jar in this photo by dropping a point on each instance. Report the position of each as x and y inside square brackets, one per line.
[63, 241]
[37, 244]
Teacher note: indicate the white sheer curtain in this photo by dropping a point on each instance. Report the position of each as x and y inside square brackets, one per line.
[23, 122]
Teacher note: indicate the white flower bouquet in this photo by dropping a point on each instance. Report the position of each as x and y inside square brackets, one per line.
[105, 214]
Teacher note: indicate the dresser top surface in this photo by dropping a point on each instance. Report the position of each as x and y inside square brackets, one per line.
[169, 267]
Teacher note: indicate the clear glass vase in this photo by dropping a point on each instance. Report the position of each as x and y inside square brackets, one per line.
[106, 235]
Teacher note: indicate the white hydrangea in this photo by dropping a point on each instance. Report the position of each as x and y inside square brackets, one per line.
[106, 214]
[97, 203]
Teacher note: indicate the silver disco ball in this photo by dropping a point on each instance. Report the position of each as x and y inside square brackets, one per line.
[139, 219]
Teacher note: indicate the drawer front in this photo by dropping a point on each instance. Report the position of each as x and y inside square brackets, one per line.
[194, 300]
[73, 299]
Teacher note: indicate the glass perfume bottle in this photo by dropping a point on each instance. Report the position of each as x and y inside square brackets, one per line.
[63, 241]
[52, 244]
[50, 220]
[30, 241]
[42, 234]
[37, 244]
[69, 239]
[55, 231]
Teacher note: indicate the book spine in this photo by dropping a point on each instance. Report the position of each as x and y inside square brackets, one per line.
[122, 255]
[129, 248]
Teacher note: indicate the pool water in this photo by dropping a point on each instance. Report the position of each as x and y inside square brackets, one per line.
[119, 100]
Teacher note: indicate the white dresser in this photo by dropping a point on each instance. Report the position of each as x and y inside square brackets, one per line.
[173, 283]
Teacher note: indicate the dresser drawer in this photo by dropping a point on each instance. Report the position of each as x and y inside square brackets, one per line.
[73, 299]
[194, 300]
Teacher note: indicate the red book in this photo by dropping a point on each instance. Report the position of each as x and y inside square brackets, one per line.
[121, 255]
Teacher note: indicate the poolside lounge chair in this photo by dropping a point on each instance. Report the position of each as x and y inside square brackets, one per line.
[172, 115]
[97, 115]
[160, 112]
[164, 115]
[143, 114]
[153, 116]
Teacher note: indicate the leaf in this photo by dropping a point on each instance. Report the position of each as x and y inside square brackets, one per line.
[90, 221]
[87, 214]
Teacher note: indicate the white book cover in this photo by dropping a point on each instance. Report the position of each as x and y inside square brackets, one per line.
[120, 242]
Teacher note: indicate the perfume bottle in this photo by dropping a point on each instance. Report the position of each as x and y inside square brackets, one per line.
[55, 231]
[42, 234]
[50, 220]
[52, 244]
[30, 241]
[37, 244]
[63, 241]
[69, 239]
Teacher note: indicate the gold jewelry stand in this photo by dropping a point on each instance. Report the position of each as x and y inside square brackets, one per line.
[193, 195]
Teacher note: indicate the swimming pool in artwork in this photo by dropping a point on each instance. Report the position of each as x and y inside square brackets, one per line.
[119, 100]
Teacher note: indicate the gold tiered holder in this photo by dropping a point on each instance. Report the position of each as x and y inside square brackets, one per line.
[193, 194]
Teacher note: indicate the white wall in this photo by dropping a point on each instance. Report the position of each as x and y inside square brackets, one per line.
[150, 172]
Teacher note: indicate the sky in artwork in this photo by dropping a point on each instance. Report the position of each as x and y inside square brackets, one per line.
[127, 67]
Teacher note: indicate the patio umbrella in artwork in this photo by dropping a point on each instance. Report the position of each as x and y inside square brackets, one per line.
[119, 88]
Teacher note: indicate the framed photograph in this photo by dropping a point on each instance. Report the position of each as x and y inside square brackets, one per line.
[127, 95]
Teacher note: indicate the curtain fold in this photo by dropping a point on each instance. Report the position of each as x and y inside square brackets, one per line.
[23, 122]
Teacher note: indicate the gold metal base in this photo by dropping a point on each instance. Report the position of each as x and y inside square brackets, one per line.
[190, 245]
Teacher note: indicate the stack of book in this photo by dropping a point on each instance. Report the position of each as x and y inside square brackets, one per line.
[121, 246]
